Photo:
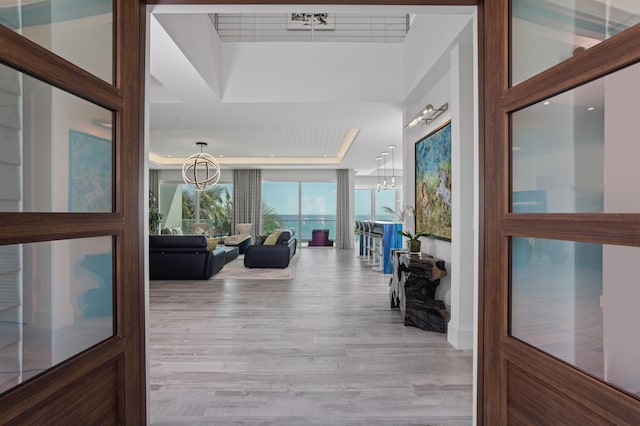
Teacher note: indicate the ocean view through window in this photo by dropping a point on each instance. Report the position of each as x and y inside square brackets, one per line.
[303, 206]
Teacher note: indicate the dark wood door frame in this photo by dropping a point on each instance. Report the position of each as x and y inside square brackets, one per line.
[482, 95]
[518, 378]
[105, 383]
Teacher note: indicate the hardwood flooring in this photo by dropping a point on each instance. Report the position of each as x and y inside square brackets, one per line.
[321, 349]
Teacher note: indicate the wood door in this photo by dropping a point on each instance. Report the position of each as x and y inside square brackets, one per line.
[71, 214]
[550, 243]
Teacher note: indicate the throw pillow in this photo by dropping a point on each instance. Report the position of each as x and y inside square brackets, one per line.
[272, 239]
[212, 243]
[260, 239]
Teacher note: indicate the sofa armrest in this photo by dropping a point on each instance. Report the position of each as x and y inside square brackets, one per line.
[276, 256]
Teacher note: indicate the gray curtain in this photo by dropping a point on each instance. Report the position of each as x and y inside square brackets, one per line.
[153, 181]
[344, 220]
[247, 199]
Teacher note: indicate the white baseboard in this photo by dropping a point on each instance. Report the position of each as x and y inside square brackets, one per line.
[460, 337]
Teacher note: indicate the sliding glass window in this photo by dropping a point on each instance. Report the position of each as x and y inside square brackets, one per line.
[184, 209]
[303, 206]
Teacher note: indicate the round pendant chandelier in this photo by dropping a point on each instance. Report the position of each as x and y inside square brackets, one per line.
[201, 171]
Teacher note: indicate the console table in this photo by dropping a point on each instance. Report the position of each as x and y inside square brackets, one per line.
[417, 278]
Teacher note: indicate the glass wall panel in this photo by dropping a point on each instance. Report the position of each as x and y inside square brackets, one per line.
[578, 302]
[216, 209]
[385, 205]
[318, 208]
[183, 209]
[545, 33]
[80, 31]
[280, 206]
[362, 204]
[56, 150]
[577, 151]
[56, 300]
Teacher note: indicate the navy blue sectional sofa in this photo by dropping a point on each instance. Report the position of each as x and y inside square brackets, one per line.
[183, 257]
[272, 256]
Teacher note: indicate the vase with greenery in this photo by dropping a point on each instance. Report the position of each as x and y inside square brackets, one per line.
[155, 217]
[414, 239]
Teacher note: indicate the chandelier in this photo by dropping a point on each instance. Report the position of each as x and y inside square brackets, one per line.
[201, 171]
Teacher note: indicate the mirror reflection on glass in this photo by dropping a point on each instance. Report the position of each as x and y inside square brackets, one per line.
[578, 302]
[56, 300]
[545, 33]
[56, 150]
[577, 152]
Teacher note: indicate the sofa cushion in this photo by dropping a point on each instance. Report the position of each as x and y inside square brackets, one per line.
[260, 239]
[272, 239]
[285, 236]
[212, 243]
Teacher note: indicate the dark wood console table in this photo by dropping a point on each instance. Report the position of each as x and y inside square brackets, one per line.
[418, 277]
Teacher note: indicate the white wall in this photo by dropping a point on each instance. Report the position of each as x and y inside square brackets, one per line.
[453, 84]
[317, 72]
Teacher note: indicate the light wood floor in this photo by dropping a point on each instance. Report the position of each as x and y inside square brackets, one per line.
[321, 349]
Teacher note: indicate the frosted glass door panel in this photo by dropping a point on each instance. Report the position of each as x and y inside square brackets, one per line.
[579, 303]
[577, 152]
[56, 300]
[56, 150]
[80, 31]
[547, 32]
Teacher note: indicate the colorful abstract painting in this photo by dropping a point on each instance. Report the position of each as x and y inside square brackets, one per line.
[90, 173]
[433, 183]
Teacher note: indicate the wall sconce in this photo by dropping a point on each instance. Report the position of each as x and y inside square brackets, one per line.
[201, 171]
[428, 114]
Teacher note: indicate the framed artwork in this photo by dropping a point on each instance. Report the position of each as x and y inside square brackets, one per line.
[90, 173]
[303, 21]
[433, 183]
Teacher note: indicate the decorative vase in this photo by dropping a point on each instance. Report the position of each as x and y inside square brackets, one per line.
[414, 245]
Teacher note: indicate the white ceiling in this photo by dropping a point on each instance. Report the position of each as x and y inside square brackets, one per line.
[280, 105]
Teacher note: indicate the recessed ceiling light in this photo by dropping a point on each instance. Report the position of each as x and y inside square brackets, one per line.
[591, 108]
[546, 103]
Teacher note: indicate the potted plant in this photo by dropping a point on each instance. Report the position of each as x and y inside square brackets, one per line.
[414, 239]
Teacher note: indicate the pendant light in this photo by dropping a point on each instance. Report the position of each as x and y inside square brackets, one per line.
[201, 171]
[378, 160]
[393, 167]
[384, 182]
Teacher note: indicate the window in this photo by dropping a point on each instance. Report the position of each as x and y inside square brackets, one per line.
[182, 207]
[303, 206]
[362, 204]
[385, 205]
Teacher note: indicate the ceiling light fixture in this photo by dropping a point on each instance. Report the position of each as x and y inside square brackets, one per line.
[384, 157]
[378, 160]
[101, 122]
[428, 114]
[201, 171]
[393, 167]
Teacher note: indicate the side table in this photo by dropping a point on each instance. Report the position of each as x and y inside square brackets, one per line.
[420, 276]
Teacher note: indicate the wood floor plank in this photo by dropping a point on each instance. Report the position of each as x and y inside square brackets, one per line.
[321, 349]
